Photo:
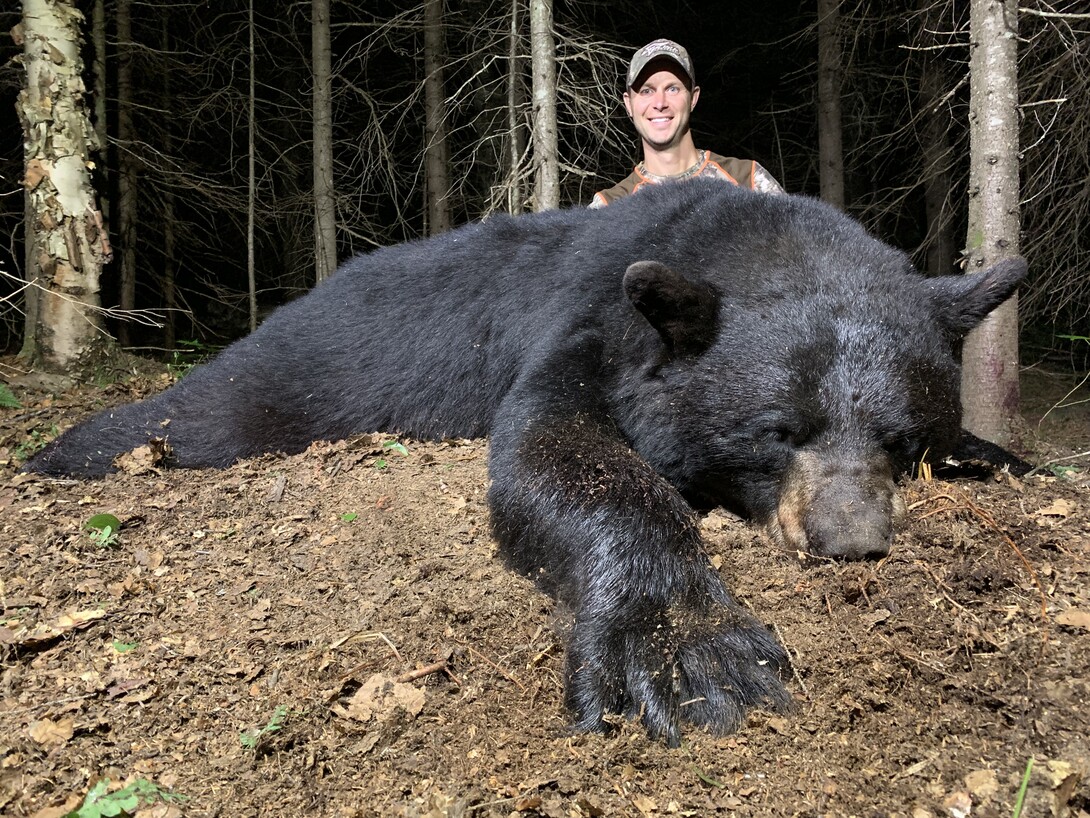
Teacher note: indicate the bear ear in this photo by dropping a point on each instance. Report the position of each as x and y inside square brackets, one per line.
[963, 301]
[682, 311]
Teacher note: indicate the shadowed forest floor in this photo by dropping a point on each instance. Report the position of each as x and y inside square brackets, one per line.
[330, 634]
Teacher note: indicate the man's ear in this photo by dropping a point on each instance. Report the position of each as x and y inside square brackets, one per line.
[627, 103]
[695, 95]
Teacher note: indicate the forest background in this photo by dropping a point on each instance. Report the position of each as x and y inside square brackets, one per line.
[177, 109]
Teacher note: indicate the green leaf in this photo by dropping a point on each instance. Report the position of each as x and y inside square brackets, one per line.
[100, 522]
[124, 647]
[7, 398]
[395, 446]
[381, 464]
[349, 516]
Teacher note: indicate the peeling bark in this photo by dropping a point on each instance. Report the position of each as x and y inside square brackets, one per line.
[67, 242]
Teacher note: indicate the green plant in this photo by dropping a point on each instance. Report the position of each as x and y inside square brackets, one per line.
[1020, 800]
[193, 353]
[390, 446]
[7, 398]
[126, 801]
[349, 516]
[393, 445]
[37, 440]
[250, 739]
[102, 530]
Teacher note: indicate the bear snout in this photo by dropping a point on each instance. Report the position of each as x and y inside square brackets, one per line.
[838, 505]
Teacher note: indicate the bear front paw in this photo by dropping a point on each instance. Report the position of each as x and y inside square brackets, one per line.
[668, 667]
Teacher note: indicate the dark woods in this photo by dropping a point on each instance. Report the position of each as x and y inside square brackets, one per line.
[177, 122]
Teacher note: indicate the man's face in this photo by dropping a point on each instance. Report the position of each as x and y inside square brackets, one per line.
[660, 103]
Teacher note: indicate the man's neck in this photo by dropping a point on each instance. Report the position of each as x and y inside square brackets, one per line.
[672, 161]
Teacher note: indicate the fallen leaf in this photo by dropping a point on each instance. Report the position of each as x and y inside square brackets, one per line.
[60, 626]
[982, 783]
[1074, 618]
[380, 697]
[1059, 508]
[260, 611]
[51, 733]
[144, 459]
[125, 686]
[958, 804]
[158, 811]
[69, 807]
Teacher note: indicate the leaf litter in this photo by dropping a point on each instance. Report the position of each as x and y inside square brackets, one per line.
[414, 675]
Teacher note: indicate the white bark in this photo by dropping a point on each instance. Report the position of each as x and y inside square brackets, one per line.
[67, 244]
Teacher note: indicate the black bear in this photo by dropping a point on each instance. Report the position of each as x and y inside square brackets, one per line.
[690, 346]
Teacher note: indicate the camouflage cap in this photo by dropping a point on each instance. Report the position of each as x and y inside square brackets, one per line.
[665, 49]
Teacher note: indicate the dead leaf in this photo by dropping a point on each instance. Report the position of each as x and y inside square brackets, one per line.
[158, 811]
[124, 686]
[144, 459]
[982, 783]
[67, 808]
[1059, 508]
[260, 611]
[52, 733]
[958, 804]
[381, 697]
[62, 625]
[1074, 618]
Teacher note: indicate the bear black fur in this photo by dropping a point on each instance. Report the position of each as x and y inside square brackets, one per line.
[690, 346]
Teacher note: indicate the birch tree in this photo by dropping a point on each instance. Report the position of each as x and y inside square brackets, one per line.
[66, 242]
[990, 354]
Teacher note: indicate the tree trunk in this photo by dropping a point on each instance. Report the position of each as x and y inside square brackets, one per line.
[98, 71]
[515, 131]
[126, 178]
[66, 242]
[251, 181]
[830, 139]
[169, 276]
[990, 355]
[325, 207]
[436, 155]
[543, 57]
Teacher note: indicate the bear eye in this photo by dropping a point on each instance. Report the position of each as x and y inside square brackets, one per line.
[903, 449]
[794, 436]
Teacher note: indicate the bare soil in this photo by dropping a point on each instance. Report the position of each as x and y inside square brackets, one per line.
[331, 634]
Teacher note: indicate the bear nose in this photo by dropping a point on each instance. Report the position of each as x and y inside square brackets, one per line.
[851, 533]
[837, 505]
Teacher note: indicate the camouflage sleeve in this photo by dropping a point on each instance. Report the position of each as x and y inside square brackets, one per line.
[765, 182]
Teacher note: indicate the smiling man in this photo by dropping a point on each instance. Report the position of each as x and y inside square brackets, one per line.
[661, 93]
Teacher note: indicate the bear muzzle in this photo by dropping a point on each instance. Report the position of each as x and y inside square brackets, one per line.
[833, 504]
